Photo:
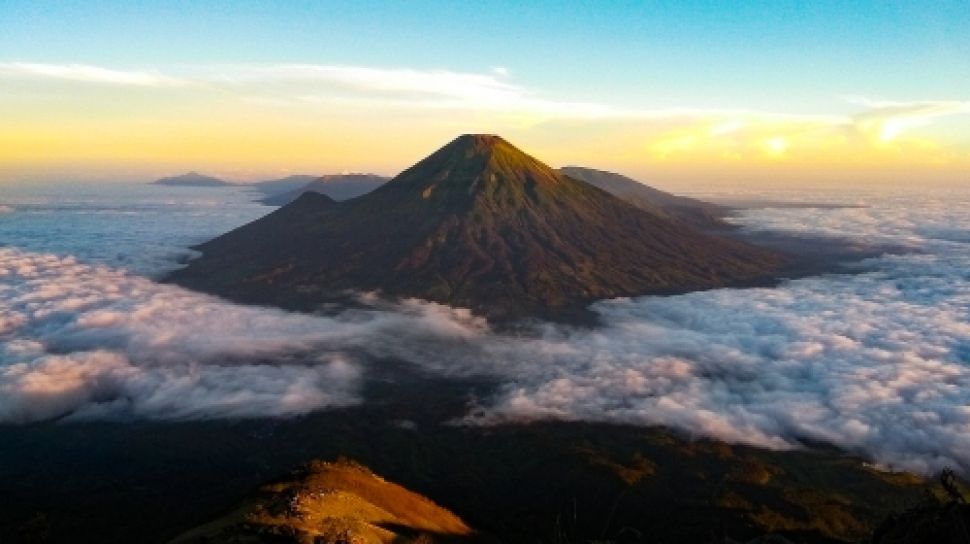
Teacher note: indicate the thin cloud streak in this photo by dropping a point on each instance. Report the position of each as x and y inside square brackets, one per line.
[886, 119]
[84, 73]
[435, 89]
[282, 98]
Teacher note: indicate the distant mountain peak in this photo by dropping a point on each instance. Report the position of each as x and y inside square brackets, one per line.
[191, 179]
[696, 213]
[472, 170]
[336, 186]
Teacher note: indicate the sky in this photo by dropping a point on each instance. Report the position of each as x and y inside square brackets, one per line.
[672, 93]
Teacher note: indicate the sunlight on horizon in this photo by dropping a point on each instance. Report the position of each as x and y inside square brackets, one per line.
[814, 95]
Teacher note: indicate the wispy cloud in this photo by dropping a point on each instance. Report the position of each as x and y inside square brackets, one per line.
[404, 88]
[886, 119]
[444, 89]
[88, 74]
[384, 80]
[441, 101]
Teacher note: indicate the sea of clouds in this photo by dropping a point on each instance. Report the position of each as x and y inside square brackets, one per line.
[877, 361]
[145, 229]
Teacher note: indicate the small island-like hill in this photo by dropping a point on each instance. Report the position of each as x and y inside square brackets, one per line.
[192, 179]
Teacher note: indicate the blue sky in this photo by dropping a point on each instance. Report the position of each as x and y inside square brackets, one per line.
[721, 53]
[811, 58]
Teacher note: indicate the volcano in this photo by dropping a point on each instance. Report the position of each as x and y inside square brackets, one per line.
[477, 224]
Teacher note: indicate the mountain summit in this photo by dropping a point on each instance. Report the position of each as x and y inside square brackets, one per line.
[477, 224]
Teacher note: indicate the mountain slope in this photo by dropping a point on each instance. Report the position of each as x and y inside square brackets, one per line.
[335, 186]
[694, 212]
[283, 185]
[332, 503]
[477, 224]
[192, 179]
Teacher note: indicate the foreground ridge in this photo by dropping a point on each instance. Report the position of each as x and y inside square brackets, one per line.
[333, 503]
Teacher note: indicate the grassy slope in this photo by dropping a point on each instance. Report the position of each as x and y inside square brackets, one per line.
[477, 224]
[327, 502]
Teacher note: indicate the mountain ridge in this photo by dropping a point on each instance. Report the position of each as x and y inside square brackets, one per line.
[336, 186]
[697, 213]
[332, 503]
[478, 224]
[278, 186]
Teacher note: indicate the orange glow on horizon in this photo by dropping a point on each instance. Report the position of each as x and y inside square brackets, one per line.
[98, 131]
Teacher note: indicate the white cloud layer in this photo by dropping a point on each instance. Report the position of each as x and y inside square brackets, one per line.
[82, 341]
[877, 362]
[91, 341]
[854, 361]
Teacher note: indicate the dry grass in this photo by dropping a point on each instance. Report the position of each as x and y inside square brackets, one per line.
[341, 502]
